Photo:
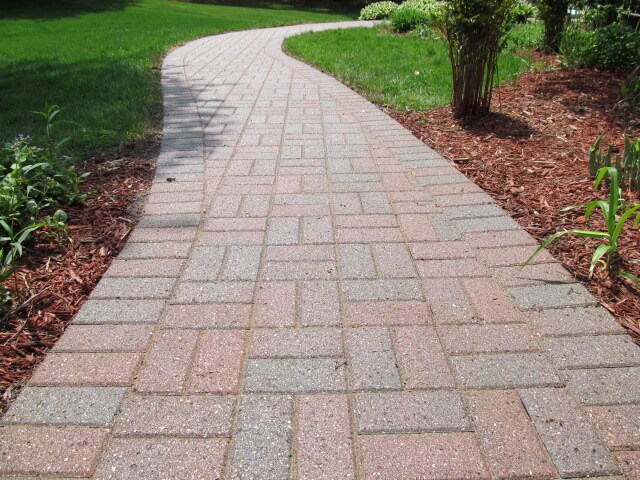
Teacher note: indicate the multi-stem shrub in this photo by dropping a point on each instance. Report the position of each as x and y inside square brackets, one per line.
[553, 13]
[627, 164]
[475, 32]
[378, 11]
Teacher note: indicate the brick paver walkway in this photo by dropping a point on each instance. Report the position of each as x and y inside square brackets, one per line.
[312, 293]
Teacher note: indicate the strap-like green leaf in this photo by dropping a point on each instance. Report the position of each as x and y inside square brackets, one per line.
[597, 255]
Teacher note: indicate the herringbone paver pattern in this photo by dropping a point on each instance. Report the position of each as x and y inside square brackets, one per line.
[312, 293]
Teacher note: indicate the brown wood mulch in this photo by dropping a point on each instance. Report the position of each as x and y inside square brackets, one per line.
[56, 275]
[531, 156]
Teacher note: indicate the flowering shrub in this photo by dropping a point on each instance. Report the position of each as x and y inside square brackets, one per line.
[378, 11]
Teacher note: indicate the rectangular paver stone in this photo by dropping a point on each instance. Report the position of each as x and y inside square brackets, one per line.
[80, 369]
[50, 451]
[428, 456]
[593, 351]
[505, 370]
[567, 434]
[296, 342]
[119, 311]
[536, 297]
[184, 415]
[323, 444]
[466, 339]
[89, 406]
[372, 362]
[363, 290]
[411, 412]
[155, 458]
[214, 292]
[261, 447]
[134, 288]
[104, 338]
[574, 321]
[295, 375]
[604, 386]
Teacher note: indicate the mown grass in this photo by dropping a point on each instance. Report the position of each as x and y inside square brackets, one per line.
[98, 59]
[406, 72]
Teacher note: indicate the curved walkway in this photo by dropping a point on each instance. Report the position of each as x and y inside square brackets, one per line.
[313, 293]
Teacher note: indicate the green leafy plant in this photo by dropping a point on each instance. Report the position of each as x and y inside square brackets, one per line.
[631, 89]
[405, 19]
[627, 164]
[378, 11]
[475, 31]
[616, 214]
[611, 47]
[522, 11]
[33, 180]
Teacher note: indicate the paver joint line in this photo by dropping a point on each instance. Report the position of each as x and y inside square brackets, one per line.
[318, 295]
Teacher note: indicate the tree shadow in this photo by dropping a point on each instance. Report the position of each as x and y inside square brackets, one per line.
[499, 125]
[48, 10]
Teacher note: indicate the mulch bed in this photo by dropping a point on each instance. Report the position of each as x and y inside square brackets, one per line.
[531, 156]
[56, 275]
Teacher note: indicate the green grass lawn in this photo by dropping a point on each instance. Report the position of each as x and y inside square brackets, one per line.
[98, 59]
[407, 72]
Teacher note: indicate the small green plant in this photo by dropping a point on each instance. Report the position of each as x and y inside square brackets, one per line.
[33, 180]
[406, 19]
[627, 164]
[378, 11]
[522, 11]
[616, 213]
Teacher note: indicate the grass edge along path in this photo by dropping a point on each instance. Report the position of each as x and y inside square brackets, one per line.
[401, 71]
[100, 61]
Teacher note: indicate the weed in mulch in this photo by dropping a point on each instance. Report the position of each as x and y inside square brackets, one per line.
[532, 156]
[56, 274]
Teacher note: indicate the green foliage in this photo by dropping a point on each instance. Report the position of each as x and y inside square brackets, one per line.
[433, 8]
[406, 19]
[522, 11]
[616, 213]
[475, 31]
[553, 13]
[612, 47]
[631, 89]
[378, 11]
[32, 180]
[627, 164]
[526, 36]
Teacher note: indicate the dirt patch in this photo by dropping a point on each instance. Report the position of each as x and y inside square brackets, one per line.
[531, 156]
[56, 275]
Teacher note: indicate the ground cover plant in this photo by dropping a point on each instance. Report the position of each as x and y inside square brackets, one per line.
[99, 60]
